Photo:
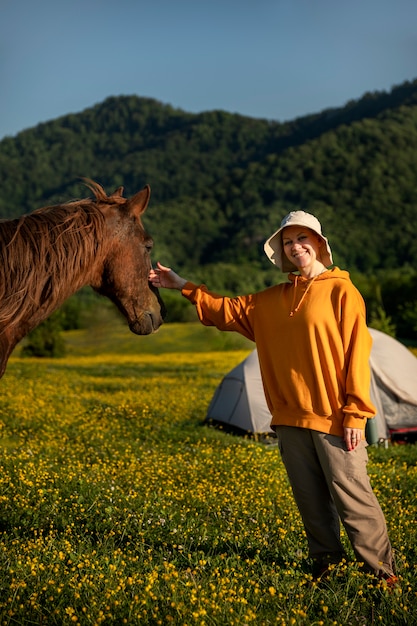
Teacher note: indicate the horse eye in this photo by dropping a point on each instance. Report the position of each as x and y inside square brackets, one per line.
[149, 245]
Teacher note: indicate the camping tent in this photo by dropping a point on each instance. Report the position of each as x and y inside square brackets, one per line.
[239, 400]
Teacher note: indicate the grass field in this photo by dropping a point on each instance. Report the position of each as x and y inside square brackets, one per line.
[119, 506]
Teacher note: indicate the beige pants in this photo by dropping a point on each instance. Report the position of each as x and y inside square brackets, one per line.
[331, 484]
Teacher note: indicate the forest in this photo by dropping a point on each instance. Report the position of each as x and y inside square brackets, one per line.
[222, 182]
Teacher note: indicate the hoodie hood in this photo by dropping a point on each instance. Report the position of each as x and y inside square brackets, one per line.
[334, 272]
[299, 295]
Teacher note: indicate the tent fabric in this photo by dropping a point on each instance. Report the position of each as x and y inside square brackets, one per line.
[394, 365]
[239, 400]
[394, 370]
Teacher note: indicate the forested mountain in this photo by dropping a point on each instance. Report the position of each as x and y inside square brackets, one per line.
[222, 182]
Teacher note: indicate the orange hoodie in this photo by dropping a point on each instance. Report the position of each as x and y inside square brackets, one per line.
[313, 347]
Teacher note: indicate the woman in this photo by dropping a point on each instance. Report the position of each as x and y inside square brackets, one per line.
[313, 347]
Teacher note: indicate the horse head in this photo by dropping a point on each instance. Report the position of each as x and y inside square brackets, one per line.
[125, 269]
[47, 255]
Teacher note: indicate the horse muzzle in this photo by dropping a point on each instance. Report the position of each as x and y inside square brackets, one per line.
[147, 324]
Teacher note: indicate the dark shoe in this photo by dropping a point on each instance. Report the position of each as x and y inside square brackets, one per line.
[325, 563]
[321, 574]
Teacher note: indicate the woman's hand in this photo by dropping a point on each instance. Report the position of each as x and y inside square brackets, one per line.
[352, 437]
[165, 277]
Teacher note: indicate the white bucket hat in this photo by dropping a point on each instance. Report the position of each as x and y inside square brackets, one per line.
[274, 249]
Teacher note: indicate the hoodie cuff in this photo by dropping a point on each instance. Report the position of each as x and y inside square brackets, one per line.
[354, 421]
[188, 291]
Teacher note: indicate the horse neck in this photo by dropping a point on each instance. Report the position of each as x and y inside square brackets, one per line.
[35, 280]
[40, 279]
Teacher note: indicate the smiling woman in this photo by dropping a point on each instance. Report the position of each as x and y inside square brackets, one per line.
[313, 348]
[299, 235]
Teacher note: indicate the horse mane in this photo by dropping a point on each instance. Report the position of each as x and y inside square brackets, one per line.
[46, 253]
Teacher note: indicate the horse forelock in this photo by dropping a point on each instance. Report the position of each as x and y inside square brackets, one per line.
[44, 254]
[101, 195]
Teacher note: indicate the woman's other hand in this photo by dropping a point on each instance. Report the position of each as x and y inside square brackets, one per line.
[352, 437]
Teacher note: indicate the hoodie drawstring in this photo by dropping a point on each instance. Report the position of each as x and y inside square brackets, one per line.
[294, 310]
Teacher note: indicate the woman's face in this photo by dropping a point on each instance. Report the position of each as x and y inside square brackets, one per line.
[301, 246]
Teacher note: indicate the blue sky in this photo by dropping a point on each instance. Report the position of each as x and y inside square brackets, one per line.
[275, 59]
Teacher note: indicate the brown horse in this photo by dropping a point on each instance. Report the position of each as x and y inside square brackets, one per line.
[49, 254]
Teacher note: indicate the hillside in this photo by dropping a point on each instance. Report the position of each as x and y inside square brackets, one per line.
[355, 167]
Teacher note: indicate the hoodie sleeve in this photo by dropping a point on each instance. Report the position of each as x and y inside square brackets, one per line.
[230, 314]
[357, 342]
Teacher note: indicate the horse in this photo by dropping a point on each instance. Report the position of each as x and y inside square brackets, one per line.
[49, 254]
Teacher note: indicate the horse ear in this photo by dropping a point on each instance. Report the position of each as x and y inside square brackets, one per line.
[117, 193]
[138, 203]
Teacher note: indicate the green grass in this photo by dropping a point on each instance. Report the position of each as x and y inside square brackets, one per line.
[119, 506]
[112, 337]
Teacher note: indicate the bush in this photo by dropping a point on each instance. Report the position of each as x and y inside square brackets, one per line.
[46, 340]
